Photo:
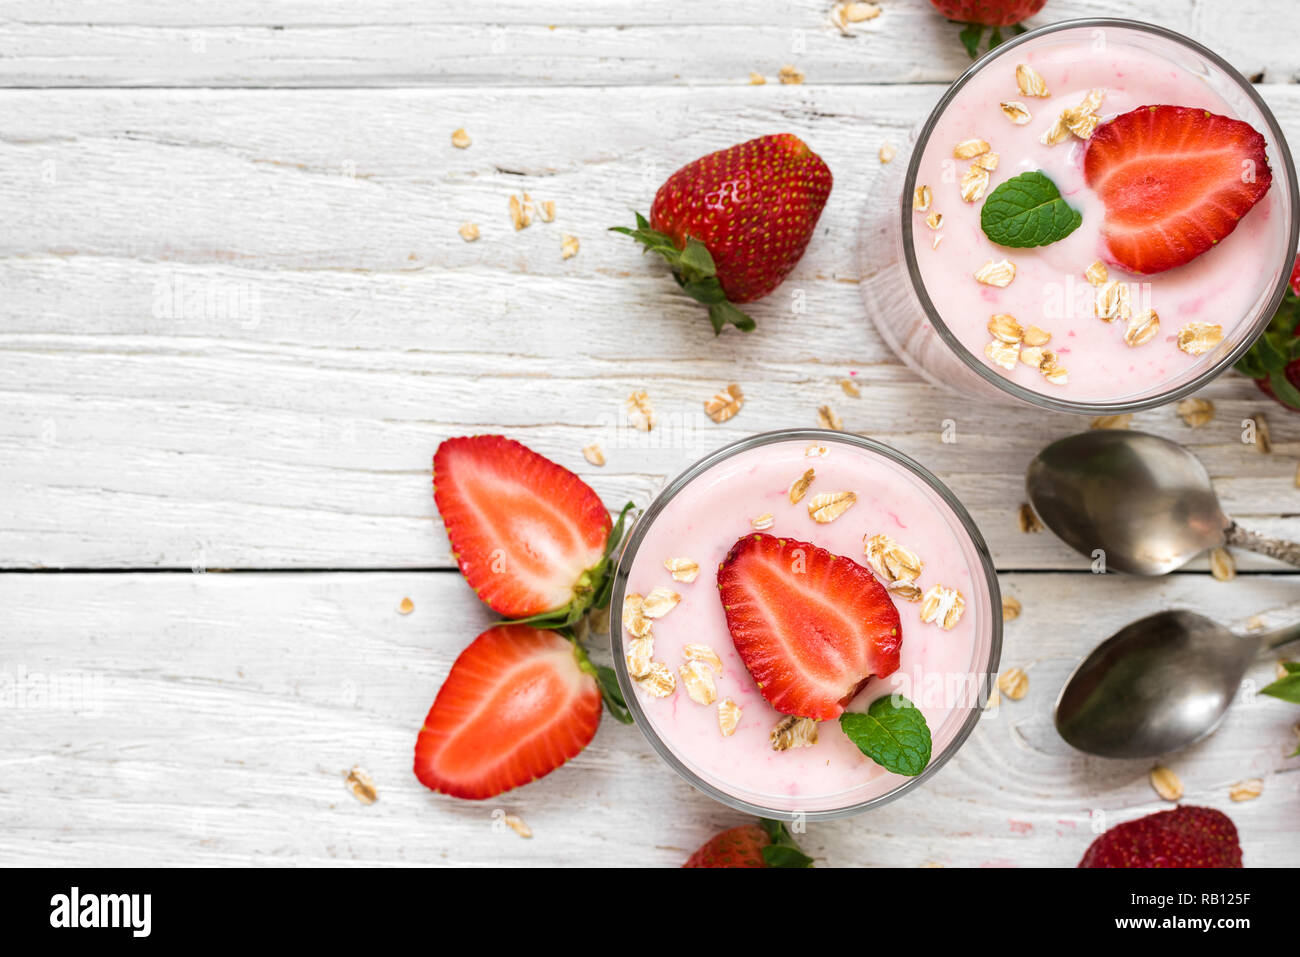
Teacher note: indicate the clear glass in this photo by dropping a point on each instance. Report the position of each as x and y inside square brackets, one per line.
[985, 604]
[903, 312]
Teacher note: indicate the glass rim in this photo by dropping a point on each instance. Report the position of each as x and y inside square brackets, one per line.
[646, 518]
[1041, 399]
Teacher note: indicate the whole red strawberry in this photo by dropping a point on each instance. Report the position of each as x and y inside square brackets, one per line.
[1184, 837]
[978, 14]
[765, 844]
[1274, 360]
[733, 224]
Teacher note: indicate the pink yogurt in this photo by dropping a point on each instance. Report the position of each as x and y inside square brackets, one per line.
[704, 519]
[1224, 286]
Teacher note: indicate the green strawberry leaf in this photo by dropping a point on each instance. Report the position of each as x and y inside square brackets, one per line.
[784, 851]
[1277, 346]
[894, 735]
[695, 272]
[607, 681]
[970, 38]
[1288, 688]
[1027, 210]
[1286, 393]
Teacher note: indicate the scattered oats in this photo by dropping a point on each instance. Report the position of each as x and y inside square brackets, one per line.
[792, 732]
[1122, 421]
[828, 506]
[1058, 132]
[988, 161]
[1092, 102]
[1027, 520]
[728, 717]
[460, 139]
[1113, 301]
[1197, 338]
[791, 74]
[640, 413]
[1196, 412]
[893, 563]
[1165, 783]
[1297, 475]
[697, 679]
[1247, 790]
[658, 681]
[468, 232]
[516, 824]
[857, 12]
[906, 591]
[659, 602]
[634, 619]
[850, 388]
[639, 653]
[1033, 356]
[1004, 354]
[724, 403]
[827, 419]
[546, 211]
[887, 151]
[703, 654]
[1263, 438]
[968, 149]
[1142, 328]
[921, 198]
[362, 786]
[995, 699]
[934, 220]
[1036, 337]
[1057, 375]
[756, 79]
[1097, 273]
[763, 522]
[1011, 608]
[593, 454]
[1016, 112]
[815, 452]
[1030, 83]
[973, 183]
[521, 212]
[998, 273]
[942, 605]
[1256, 623]
[1079, 122]
[799, 487]
[1005, 328]
[568, 246]
[405, 606]
[682, 569]
[1222, 565]
[1013, 683]
[839, 20]
[938, 238]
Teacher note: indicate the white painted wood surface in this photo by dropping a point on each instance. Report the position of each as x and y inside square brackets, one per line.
[332, 328]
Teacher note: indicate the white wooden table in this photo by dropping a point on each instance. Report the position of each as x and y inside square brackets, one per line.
[236, 319]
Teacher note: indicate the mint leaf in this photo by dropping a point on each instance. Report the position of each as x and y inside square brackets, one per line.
[895, 736]
[1288, 688]
[1027, 210]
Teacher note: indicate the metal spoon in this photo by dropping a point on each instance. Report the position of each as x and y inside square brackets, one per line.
[1158, 685]
[1145, 502]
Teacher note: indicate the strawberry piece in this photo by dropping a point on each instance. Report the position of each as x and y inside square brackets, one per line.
[1184, 837]
[811, 626]
[518, 703]
[978, 14]
[1274, 360]
[733, 224]
[530, 536]
[766, 844]
[1175, 181]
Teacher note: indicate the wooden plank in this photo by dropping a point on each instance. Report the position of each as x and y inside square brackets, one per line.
[246, 43]
[210, 719]
[285, 413]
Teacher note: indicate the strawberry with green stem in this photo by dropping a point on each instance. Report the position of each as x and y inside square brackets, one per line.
[976, 15]
[1274, 359]
[765, 844]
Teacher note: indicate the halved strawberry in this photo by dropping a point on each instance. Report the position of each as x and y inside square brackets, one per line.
[1175, 181]
[811, 626]
[531, 538]
[519, 702]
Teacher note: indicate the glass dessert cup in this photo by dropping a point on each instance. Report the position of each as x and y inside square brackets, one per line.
[1239, 283]
[948, 674]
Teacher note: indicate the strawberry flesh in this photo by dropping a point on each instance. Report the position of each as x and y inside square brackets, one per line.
[525, 531]
[515, 706]
[1187, 836]
[1174, 181]
[812, 627]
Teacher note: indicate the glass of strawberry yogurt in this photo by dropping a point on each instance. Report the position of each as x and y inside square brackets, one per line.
[1098, 216]
[869, 541]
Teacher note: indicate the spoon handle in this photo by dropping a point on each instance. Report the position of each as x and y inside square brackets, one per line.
[1272, 547]
[1283, 636]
